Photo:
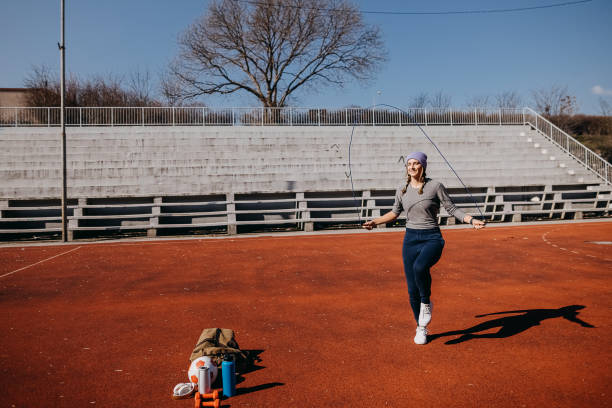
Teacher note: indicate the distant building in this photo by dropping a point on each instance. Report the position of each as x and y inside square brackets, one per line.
[13, 97]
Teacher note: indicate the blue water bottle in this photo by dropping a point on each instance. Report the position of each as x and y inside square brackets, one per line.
[228, 372]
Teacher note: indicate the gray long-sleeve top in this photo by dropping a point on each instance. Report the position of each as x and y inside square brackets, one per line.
[422, 210]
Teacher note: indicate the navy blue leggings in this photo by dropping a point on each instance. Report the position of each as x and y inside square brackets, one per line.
[421, 250]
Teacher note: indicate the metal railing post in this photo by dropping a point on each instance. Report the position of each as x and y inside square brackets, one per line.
[262, 116]
[15, 117]
[346, 116]
[80, 117]
[476, 116]
[142, 114]
[290, 117]
[112, 116]
[550, 132]
[48, 117]
[425, 110]
[173, 115]
[500, 120]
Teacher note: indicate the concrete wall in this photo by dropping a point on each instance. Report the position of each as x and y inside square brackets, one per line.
[139, 161]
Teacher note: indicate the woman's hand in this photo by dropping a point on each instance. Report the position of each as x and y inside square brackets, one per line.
[388, 217]
[477, 223]
[369, 225]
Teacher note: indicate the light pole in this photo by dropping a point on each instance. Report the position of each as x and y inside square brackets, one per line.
[378, 92]
[62, 49]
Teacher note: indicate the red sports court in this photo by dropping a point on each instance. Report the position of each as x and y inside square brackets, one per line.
[521, 319]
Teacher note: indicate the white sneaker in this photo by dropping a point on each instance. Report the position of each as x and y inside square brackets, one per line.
[425, 314]
[421, 335]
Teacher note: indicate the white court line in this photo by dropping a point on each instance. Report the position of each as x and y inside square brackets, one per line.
[44, 260]
[544, 237]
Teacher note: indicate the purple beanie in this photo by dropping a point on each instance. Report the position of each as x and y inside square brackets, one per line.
[420, 156]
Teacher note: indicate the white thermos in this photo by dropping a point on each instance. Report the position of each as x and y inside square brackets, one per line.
[204, 380]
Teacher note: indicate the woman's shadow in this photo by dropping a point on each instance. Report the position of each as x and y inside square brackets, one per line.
[254, 359]
[511, 325]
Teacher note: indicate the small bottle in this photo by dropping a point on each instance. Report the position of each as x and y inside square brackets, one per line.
[228, 372]
[204, 380]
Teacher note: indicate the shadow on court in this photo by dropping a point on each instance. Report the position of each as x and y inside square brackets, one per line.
[511, 325]
[254, 357]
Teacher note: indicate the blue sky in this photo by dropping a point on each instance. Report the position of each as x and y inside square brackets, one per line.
[463, 56]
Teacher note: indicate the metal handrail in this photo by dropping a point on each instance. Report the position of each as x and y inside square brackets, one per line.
[582, 154]
[254, 116]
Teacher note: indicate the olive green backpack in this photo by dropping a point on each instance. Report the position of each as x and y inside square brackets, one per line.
[220, 344]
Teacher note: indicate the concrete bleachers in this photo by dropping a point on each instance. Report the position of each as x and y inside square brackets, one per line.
[220, 179]
[204, 161]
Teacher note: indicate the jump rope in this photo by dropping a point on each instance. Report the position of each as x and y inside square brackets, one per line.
[350, 174]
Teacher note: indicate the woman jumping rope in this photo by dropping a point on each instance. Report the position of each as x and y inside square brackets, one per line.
[420, 198]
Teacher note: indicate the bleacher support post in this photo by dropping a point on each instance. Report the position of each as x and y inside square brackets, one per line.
[232, 228]
[549, 195]
[507, 209]
[371, 211]
[154, 220]
[605, 199]
[73, 222]
[78, 211]
[487, 206]
[304, 213]
[558, 198]
[365, 196]
[72, 226]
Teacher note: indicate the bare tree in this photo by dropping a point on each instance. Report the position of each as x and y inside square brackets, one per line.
[140, 88]
[508, 99]
[478, 102]
[271, 48]
[569, 106]
[171, 89]
[549, 101]
[44, 87]
[109, 90]
[102, 91]
[440, 100]
[604, 107]
[420, 100]
[40, 81]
